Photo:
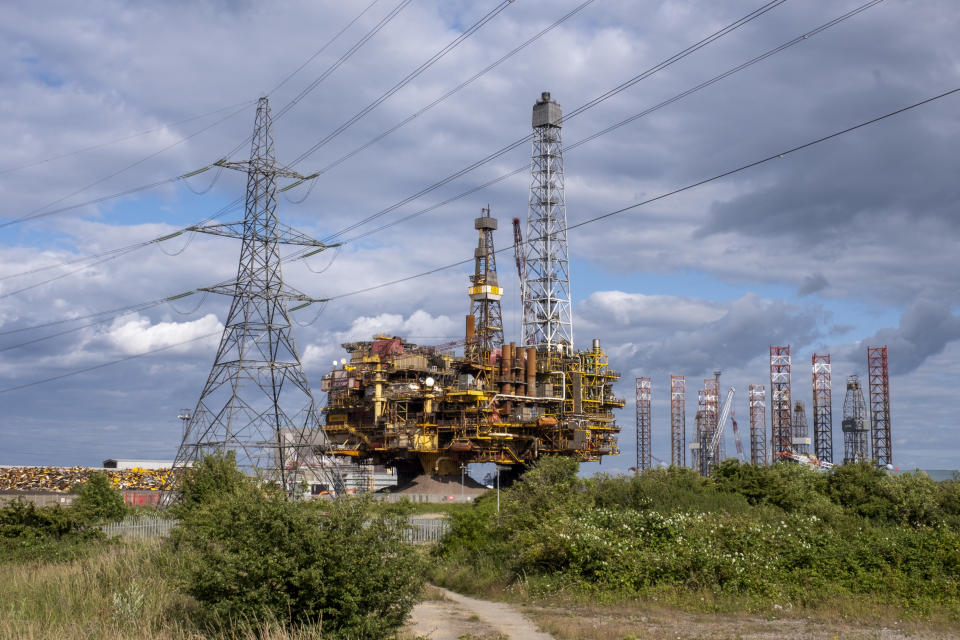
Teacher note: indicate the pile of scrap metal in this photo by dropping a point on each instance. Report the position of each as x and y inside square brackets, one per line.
[63, 479]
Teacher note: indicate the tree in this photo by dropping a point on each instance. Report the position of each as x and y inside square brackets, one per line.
[97, 501]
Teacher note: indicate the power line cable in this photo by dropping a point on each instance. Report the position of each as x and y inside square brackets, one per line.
[479, 24]
[753, 15]
[583, 223]
[323, 48]
[106, 364]
[132, 136]
[668, 194]
[717, 78]
[801, 38]
[39, 212]
[448, 94]
[43, 212]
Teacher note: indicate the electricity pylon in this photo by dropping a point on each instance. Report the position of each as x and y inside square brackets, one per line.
[257, 401]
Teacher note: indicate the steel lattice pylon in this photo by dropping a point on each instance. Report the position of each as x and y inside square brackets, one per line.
[758, 424]
[257, 401]
[678, 421]
[644, 442]
[545, 289]
[822, 407]
[856, 436]
[879, 378]
[781, 432]
[485, 292]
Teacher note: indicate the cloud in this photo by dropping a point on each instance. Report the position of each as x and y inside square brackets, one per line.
[138, 335]
[925, 329]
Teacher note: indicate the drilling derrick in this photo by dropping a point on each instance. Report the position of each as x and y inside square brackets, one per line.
[486, 331]
[822, 408]
[781, 431]
[257, 401]
[547, 315]
[758, 424]
[644, 445]
[855, 431]
[698, 448]
[801, 431]
[879, 378]
[711, 406]
[678, 421]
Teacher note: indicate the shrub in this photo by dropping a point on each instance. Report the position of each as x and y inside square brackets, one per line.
[98, 502]
[30, 533]
[251, 557]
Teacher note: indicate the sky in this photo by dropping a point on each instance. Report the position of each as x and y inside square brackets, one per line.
[844, 244]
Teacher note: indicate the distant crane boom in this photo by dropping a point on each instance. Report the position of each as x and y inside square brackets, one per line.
[724, 414]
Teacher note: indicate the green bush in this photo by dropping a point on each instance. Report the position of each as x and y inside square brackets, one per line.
[29, 533]
[97, 502]
[251, 557]
[765, 534]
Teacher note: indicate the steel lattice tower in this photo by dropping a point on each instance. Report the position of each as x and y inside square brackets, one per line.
[644, 444]
[801, 430]
[711, 417]
[856, 443]
[879, 379]
[545, 290]
[822, 407]
[781, 432]
[257, 401]
[758, 424]
[485, 292]
[699, 448]
[678, 421]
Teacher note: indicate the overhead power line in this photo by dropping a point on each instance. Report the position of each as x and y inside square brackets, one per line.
[448, 94]
[132, 136]
[753, 15]
[479, 24]
[297, 255]
[583, 223]
[703, 85]
[667, 194]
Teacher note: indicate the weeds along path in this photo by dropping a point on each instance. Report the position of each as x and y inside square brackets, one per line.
[452, 616]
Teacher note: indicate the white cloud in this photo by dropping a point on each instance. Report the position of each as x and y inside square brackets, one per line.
[138, 335]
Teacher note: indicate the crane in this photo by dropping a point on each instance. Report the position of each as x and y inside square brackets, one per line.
[521, 267]
[727, 405]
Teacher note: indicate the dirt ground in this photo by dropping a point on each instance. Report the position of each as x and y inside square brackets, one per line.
[623, 622]
[451, 616]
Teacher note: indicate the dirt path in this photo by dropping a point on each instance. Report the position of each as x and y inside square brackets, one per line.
[451, 616]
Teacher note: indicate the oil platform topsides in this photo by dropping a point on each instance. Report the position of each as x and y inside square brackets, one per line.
[425, 410]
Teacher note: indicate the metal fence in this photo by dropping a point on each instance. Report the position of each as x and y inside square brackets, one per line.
[140, 527]
[427, 530]
[420, 530]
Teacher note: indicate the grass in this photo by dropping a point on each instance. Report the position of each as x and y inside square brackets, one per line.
[123, 592]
